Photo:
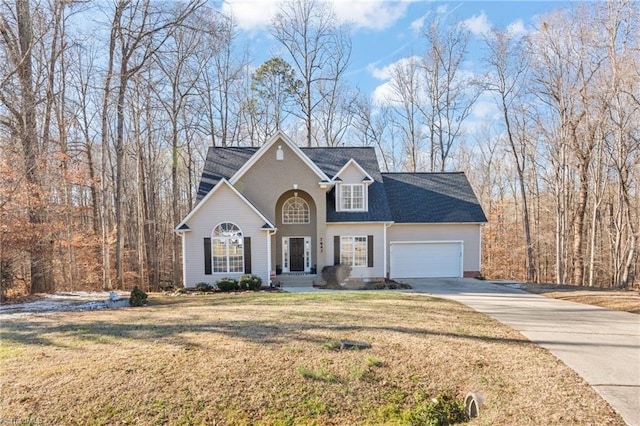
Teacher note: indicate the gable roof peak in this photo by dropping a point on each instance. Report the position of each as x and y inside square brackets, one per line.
[182, 226]
[278, 136]
[367, 176]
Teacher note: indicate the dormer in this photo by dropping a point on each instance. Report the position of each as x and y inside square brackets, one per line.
[352, 188]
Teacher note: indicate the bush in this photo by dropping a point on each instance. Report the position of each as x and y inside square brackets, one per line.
[204, 287]
[379, 285]
[138, 297]
[227, 284]
[250, 282]
[334, 275]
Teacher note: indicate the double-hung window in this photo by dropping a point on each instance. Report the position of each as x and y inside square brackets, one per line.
[352, 197]
[227, 248]
[353, 251]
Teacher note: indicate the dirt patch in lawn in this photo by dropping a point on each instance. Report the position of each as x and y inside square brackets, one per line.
[259, 358]
[615, 299]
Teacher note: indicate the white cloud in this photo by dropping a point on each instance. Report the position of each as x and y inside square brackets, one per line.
[516, 28]
[478, 24]
[382, 94]
[485, 110]
[370, 14]
[385, 73]
[416, 26]
[250, 14]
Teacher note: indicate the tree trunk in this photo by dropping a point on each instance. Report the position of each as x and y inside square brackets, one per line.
[41, 251]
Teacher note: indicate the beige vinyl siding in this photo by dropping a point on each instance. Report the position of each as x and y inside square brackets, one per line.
[223, 206]
[352, 175]
[357, 230]
[469, 234]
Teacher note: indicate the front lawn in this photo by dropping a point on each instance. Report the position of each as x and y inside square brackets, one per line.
[270, 358]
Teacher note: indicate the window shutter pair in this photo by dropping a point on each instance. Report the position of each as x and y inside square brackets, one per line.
[247, 255]
[336, 250]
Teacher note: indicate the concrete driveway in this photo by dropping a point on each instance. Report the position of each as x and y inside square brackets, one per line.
[600, 345]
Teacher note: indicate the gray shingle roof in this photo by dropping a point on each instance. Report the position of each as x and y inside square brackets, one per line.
[221, 163]
[432, 198]
[331, 160]
[399, 197]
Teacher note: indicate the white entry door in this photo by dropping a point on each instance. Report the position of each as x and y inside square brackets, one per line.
[296, 254]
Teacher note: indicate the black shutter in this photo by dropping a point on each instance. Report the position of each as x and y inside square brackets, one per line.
[207, 256]
[370, 251]
[247, 255]
[336, 249]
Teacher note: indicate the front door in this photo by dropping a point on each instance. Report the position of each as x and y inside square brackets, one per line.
[296, 254]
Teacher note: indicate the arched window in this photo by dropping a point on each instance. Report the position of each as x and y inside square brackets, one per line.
[295, 210]
[227, 248]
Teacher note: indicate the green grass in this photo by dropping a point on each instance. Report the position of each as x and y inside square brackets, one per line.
[316, 374]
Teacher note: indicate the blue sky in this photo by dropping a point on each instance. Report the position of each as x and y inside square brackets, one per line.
[385, 31]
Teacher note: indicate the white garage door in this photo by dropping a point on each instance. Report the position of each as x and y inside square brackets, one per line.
[436, 259]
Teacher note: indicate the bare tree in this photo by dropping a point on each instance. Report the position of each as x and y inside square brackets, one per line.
[566, 69]
[223, 80]
[18, 96]
[623, 141]
[371, 125]
[406, 100]
[508, 69]
[138, 29]
[177, 63]
[450, 93]
[319, 50]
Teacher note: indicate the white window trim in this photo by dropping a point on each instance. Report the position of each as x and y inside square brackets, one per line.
[305, 204]
[353, 250]
[286, 265]
[365, 197]
[227, 244]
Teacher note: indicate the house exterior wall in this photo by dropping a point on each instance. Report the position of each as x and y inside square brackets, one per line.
[351, 175]
[268, 179]
[357, 230]
[223, 206]
[295, 230]
[470, 234]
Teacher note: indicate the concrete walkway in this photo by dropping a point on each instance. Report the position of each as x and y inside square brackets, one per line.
[600, 345]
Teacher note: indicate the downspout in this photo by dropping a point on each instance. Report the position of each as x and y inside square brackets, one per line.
[269, 234]
[386, 271]
[184, 258]
[480, 251]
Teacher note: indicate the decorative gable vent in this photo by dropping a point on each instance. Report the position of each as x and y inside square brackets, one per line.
[279, 153]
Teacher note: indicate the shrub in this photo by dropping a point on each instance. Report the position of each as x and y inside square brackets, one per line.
[380, 285]
[250, 282]
[138, 297]
[334, 275]
[204, 287]
[227, 284]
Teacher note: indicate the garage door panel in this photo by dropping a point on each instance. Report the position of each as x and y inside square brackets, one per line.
[425, 260]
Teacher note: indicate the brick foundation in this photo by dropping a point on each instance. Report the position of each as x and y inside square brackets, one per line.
[471, 274]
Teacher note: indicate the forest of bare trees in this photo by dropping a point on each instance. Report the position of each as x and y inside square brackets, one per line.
[107, 110]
